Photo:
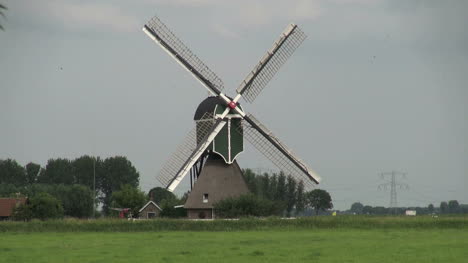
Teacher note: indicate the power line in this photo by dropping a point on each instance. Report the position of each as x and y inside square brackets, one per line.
[393, 183]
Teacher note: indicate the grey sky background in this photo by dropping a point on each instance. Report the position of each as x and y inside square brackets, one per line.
[379, 85]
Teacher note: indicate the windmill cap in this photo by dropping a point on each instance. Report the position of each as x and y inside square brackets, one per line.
[208, 105]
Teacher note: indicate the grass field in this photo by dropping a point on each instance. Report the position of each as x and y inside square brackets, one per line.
[320, 239]
[339, 245]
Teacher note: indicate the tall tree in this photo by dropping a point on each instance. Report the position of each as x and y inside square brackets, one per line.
[357, 208]
[281, 188]
[430, 208]
[266, 186]
[32, 172]
[443, 207]
[300, 198]
[12, 173]
[290, 195]
[367, 210]
[57, 171]
[159, 194]
[453, 207]
[319, 200]
[116, 172]
[77, 200]
[251, 180]
[84, 169]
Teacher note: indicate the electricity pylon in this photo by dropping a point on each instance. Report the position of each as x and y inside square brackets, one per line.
[393, 183]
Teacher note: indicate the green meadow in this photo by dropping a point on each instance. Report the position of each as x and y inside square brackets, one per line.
[386, 239]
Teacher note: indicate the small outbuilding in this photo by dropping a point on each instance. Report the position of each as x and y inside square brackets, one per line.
[7, 205]
[149, 210]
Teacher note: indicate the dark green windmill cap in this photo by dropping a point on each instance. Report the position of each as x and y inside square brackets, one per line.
[208, 105]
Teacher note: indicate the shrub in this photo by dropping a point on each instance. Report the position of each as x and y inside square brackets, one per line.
[22, 212]
[168, 210]
[246, 205]
[129, 197]
[44, 206]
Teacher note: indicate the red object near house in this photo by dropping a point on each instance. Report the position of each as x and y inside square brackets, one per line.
[123, 212]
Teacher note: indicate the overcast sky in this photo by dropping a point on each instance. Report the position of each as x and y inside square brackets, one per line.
[379, 85]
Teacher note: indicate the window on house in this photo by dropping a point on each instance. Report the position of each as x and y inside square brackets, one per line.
[151, 214]
[205, 198]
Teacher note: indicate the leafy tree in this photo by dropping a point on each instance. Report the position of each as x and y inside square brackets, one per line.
[168, 208]
[12, 173]
[367, 210]
[380, 210]
[268, 186]
[357, 208]
[22, 212]
[160, 194]
[453, 206]
[77, 200]
[2, 7]
[251, 180]
[443, 207]
[32, 172]
[300, 198]
[57, 171]
[280, 194]
[290, 195]
[430, 208]
[44, 206]
[319, 200]
[129, 197]
[245, 205]
[7, 190]
[84, 168]
[116, 172]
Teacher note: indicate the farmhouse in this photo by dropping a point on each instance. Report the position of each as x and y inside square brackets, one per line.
[150, 210]
[7, 205]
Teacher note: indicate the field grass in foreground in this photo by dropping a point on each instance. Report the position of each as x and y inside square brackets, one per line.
[313, 245]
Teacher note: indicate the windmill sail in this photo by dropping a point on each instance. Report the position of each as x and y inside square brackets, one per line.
[270, 146]
[163, 36]
[194, 155]
[264, 71]
[184, 150]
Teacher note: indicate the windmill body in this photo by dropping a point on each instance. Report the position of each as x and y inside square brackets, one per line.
[208, 153]
[229, 142]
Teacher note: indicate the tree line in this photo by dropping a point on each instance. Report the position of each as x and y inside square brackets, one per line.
[450, 207]
[280, 193]
[61, 177]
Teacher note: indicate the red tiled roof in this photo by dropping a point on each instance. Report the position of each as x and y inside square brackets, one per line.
[8, 204]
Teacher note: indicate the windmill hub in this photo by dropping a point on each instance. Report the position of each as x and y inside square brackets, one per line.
[232, 105]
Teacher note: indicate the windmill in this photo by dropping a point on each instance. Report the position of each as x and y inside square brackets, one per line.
[209, 151]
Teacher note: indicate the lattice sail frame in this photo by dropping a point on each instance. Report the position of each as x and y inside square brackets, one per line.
[176, 48]
[279, 159]
[185, 149]
[250, 88]
[264, 71]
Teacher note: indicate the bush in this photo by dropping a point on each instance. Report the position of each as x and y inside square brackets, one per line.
[168, 210]
[129, 197]
[246, 205]
[44, 206]
[22, 212]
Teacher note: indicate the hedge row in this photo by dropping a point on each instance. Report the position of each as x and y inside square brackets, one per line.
[247, 224]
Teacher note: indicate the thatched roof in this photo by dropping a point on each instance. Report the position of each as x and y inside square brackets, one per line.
[219, 180]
